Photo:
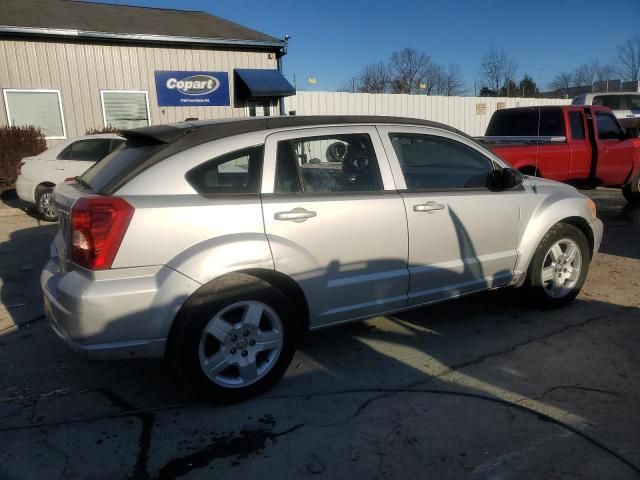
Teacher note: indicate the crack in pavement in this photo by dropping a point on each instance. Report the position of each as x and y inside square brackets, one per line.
[459, 366]
[57, 450]
[140, 470]
[449, 370]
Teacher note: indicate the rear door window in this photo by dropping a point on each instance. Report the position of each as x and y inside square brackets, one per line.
[91, 150]
[327, 164]
[576, 122]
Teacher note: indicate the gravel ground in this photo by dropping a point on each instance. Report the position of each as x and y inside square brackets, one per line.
[479, 388]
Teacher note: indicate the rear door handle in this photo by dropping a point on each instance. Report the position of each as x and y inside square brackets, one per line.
[296, 215]
[604, 149]
[429, 207]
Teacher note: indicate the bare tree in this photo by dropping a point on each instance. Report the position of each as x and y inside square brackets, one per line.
[629, 59]
[605, 72]
[561, 82]
[374, 78]
[497, 68]
[451, 81]
[408, 68]
[585, 74]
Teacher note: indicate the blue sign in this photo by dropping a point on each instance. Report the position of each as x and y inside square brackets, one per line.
[192, 89]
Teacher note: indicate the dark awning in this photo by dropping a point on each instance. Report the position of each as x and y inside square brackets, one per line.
[251, 83]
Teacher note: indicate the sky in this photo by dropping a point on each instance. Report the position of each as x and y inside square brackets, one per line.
[332, 40]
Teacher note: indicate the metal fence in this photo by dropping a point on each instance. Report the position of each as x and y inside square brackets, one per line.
[469, 114]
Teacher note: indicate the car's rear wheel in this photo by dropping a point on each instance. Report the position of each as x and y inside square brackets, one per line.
[235, 342]
[559, 266]
[631, 190]
[44, 202]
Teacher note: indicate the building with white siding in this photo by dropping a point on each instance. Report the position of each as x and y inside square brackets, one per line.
[68, 66]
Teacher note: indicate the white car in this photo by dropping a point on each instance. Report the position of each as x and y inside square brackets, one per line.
[39, 174]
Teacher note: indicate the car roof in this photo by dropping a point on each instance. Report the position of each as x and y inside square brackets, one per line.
[553, 107]
[598, 94]
[197, 132]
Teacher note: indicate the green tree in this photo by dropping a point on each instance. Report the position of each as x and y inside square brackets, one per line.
[527, 87]
[510, 89]
[487, 92]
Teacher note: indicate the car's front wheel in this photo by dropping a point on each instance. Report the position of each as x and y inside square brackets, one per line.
[44, 202]
[559, 266]
[235, 340]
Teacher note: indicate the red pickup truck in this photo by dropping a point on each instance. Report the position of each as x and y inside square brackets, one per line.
[580, 144]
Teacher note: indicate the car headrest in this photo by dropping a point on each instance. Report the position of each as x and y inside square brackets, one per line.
[356, 159]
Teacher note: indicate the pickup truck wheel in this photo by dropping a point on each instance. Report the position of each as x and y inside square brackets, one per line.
[631, 191]
[45, 205]
[559, 267]
[235, 339]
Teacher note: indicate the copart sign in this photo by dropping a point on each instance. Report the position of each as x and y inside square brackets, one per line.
[192, 89]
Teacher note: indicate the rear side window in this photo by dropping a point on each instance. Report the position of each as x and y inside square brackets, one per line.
[526, 122]
[608, 128]
[327, 164]
[430, 162]
[577, 125]
[236, 172]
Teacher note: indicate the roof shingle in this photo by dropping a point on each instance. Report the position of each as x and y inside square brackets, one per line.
[83, 16]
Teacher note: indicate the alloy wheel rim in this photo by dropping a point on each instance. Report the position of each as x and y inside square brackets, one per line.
[561, 268]
[46, 204]
[241, 344]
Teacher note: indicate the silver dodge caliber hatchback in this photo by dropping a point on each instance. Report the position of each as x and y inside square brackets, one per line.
[217, 244]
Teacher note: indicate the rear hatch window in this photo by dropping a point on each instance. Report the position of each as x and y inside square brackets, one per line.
[526, 122]
[117, 166]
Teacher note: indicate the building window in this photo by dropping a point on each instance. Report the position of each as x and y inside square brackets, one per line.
[125, 109]
[39, 108]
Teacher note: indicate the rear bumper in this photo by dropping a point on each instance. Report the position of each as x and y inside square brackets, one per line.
[125, 313]
[25, 190]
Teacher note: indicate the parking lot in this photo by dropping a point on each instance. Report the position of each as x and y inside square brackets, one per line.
[484, 387]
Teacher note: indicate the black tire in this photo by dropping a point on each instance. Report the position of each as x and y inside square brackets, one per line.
[631, 190]
[44, 204]
[538, 294]
[200, 309]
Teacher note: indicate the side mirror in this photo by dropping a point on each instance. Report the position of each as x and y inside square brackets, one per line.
[505, 179]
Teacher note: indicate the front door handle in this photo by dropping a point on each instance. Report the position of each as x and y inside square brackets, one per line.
[429, 207]
[604, 149]
[296, 215]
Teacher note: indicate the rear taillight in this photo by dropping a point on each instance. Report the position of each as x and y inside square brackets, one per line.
[98, 225]
[71, 180]
[19, 168]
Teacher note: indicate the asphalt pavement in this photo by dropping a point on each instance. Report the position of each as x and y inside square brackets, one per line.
[483, 388]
